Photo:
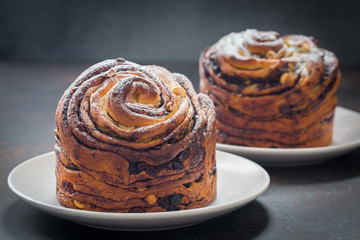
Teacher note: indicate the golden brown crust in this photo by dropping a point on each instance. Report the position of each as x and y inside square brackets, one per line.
[271, 91]
[133, 138]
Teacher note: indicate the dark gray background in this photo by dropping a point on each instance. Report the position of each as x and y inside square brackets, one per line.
[45, 44]
[146, 31]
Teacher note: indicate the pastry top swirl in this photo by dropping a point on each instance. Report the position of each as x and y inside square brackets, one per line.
[255, 53]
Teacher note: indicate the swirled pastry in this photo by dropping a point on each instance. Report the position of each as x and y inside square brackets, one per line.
[132, 138]
[271, 91]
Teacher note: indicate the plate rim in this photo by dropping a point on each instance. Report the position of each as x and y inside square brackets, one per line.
[66, 213]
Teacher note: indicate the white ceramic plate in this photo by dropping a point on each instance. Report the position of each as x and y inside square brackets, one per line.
[346, 137]
[239, 182]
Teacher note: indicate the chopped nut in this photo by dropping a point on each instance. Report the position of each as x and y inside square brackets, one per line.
[151, 199]
[283, 78]
[179, 91]
[110, 73]
[290, 53]
[241, 52]
[287, 79]
[270, 54]
[304, 48]
[291, 67]
[78, 204]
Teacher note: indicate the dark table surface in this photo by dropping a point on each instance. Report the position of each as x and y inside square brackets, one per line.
[320, 201]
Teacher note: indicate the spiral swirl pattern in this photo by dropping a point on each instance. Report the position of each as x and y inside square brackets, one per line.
[133, 138]
[271, 91]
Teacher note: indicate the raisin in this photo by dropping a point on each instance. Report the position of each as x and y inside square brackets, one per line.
[176, 199]
[187, 185]
[136, 210]
[152, 171]
[164, 203]
[68, 187]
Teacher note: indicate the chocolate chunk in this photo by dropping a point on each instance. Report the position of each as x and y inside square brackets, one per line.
[68, 187]
[141, 165]
[176, 199]
[164, 203]
[152, 171]
[136, 210]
